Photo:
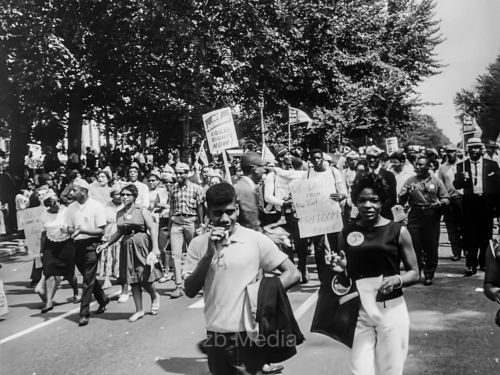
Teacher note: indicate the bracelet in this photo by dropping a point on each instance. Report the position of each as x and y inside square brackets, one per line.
[400, 282]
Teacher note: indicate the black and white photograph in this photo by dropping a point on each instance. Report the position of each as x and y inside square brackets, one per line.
[250, 187]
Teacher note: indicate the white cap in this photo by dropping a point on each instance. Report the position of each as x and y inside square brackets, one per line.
[81, 183]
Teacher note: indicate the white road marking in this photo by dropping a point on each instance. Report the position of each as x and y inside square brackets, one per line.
[302, 309]
[50, 321]
[198, 304]
[299, 312]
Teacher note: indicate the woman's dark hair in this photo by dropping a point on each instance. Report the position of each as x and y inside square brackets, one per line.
[220, 194]
[132, 188]
[371, 181]
[106, 173]
[398, 156]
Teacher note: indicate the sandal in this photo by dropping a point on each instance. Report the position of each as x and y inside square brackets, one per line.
[155, 305]
[138, 315]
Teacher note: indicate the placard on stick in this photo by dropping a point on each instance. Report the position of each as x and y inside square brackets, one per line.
[318, 214]
[30, 220]
[219, 126]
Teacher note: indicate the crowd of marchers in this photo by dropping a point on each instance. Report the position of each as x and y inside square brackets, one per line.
[139, 221]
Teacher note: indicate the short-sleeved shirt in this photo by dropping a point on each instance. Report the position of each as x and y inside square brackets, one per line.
[426, 192]
[185, 199]
[54, 224]
[87, 216]
[232, 269]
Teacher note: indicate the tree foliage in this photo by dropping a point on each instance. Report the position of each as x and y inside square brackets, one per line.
[139, 66]
[427, 134]
[483, 101]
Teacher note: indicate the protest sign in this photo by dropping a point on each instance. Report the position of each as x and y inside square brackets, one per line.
[318, 214]
[220, 130]
[30, 220]
[391, 145]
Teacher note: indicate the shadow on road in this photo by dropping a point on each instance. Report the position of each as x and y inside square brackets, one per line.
[184, 365]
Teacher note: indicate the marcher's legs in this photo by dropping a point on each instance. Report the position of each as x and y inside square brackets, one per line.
[429, 236]
[362, 358]
[176, 243]
[393, 332]
[137, 295]
[452, 219]
[86, 262]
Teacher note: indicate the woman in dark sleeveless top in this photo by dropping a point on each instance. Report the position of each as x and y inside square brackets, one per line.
[373, 249]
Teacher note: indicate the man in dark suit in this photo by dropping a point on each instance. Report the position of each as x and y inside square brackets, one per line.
[480, 179]
[373, 159]
[253, 168]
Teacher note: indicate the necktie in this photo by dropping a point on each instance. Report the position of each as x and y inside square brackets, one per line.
[475, 173]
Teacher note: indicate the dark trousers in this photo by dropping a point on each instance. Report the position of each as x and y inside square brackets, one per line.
[423, 225]
[320, 246]
[86, 262]
[163, 242]
[453, 219]
[233, 353]
[300, 244]
[266, 219]
[477, 228]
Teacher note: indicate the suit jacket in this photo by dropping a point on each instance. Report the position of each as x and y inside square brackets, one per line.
[276, 321]
[247, 200]
[491, 178]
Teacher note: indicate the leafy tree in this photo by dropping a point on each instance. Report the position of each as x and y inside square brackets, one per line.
[426, 134]
[483, 101]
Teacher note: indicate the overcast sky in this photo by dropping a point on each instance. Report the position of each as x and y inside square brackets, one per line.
[472, 32]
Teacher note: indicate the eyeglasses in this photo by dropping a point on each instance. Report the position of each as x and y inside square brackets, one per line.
[126, 195]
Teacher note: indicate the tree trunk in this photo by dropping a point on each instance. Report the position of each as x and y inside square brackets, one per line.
[75, 121]
[19, 126]
[185, 138]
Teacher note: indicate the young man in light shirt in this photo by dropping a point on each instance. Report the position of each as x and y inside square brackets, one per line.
[224, 262]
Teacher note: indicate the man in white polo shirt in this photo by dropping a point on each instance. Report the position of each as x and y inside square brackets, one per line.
[86, 222]
[224, 262]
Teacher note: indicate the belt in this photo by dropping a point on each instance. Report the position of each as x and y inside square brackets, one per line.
[131, 232]
[185, 215]
[91, 239]
[423, 208]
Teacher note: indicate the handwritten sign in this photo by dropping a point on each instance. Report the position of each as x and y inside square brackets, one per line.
[318, 213]
[219, 126]
[30, 220]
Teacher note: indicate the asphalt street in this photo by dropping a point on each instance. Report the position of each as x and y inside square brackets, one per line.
[452, 331]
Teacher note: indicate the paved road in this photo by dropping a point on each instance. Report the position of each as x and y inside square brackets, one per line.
[452, 331]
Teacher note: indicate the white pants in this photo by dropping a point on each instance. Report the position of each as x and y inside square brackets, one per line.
[380, 348]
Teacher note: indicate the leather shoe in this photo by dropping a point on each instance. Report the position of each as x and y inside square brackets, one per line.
[102, 307]
[272, 369]
[427, 282]
[469, 272]
[84, 320]
[455, 258]
[47, 309]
